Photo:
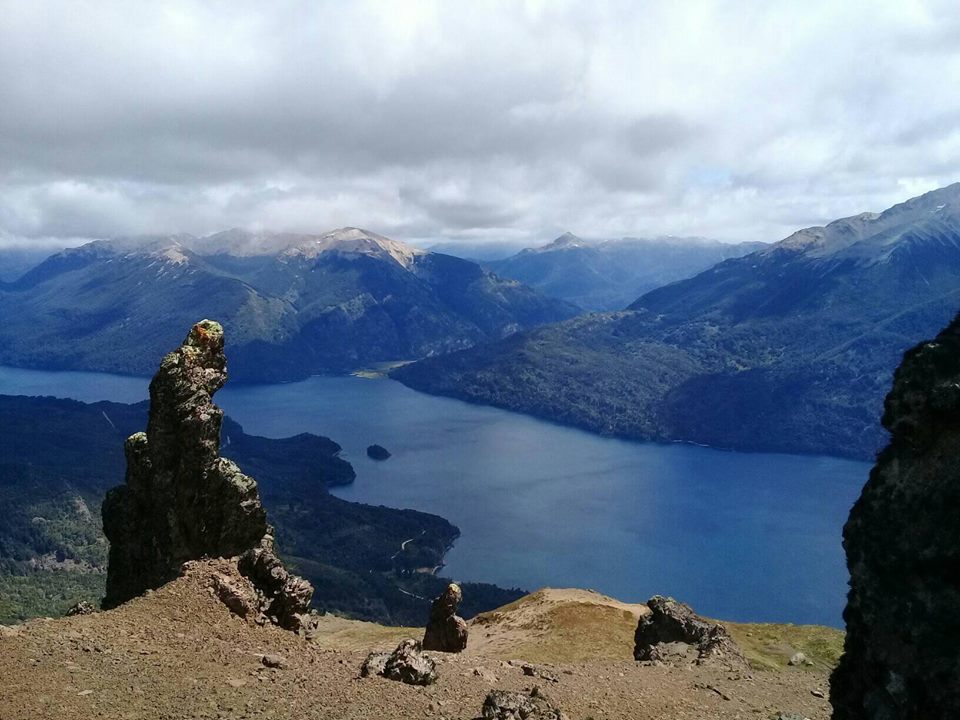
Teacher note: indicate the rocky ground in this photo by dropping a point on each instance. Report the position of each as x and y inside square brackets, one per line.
[179, 653]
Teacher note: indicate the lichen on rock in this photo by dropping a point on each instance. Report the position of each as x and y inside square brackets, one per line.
[181, 501]
[902, 539]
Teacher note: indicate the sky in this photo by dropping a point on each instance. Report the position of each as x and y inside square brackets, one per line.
[471, 121]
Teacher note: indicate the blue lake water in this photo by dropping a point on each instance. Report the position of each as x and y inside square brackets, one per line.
[739, 536]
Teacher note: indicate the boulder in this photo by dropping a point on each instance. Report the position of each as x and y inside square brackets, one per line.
[902, 541]
[182, 501]
[406, 664]
[672, 623]
[446, 631]
[509, 705]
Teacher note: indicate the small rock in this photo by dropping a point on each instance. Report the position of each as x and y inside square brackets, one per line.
[273, 661]
[539, 672]
[84, 693]
[484, 674]
[797, 659]
[374, 664]
[81, 608]
[230, 595]
[236, 682]
[817, 693]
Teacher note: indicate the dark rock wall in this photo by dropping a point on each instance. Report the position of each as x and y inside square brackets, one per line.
[902, 654]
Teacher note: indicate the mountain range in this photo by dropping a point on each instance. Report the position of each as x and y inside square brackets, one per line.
[293, 305]
[790, 348]
[602, 275]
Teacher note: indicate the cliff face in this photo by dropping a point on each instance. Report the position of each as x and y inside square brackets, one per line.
[181, 500]
[901, 657]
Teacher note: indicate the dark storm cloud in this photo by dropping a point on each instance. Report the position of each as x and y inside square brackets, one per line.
[439, 119]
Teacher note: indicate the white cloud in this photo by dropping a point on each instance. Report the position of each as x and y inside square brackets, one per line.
[433, 120]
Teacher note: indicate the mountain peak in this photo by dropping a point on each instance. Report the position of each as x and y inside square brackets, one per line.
[356, 241]
[564, 242]
[871, 236]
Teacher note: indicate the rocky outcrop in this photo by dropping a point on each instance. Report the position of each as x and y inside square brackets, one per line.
[672, 630]
[405, 664]
[509, 705]
[902, 539]
[446, 631]
[181, 501]
[282, 597]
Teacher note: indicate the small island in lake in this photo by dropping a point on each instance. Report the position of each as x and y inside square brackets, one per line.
[377, 452]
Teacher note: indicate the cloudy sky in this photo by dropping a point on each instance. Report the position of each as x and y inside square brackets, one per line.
[471, 120]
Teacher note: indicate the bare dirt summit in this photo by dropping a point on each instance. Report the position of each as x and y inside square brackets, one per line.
[179, 652]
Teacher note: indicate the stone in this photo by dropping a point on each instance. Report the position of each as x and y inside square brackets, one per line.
[903, 551]
[671, 622]
[377, 452]
[406, 664]
[231, 595]
[273, 661]
[182, 501]
[81, 608]
[797, 659]
[375, 664]
[8, 632]
[484, 674]
[539, 672]
[446, 631]
[510, 705]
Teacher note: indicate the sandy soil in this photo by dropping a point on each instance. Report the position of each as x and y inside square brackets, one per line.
[179, 653]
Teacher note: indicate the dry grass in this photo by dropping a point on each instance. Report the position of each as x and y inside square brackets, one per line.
[769, 646]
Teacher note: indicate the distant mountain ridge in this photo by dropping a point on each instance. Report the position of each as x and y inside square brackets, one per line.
[293, 305]
[604, 275]
[790, 348]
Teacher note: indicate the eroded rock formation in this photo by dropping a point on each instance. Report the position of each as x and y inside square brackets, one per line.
[674, 630]
[446, 631]
[901, 657]
[181, 501]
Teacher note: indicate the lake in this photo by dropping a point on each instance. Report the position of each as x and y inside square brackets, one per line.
[739, 536]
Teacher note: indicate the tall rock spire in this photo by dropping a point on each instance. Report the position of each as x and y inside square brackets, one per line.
[181, 501]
